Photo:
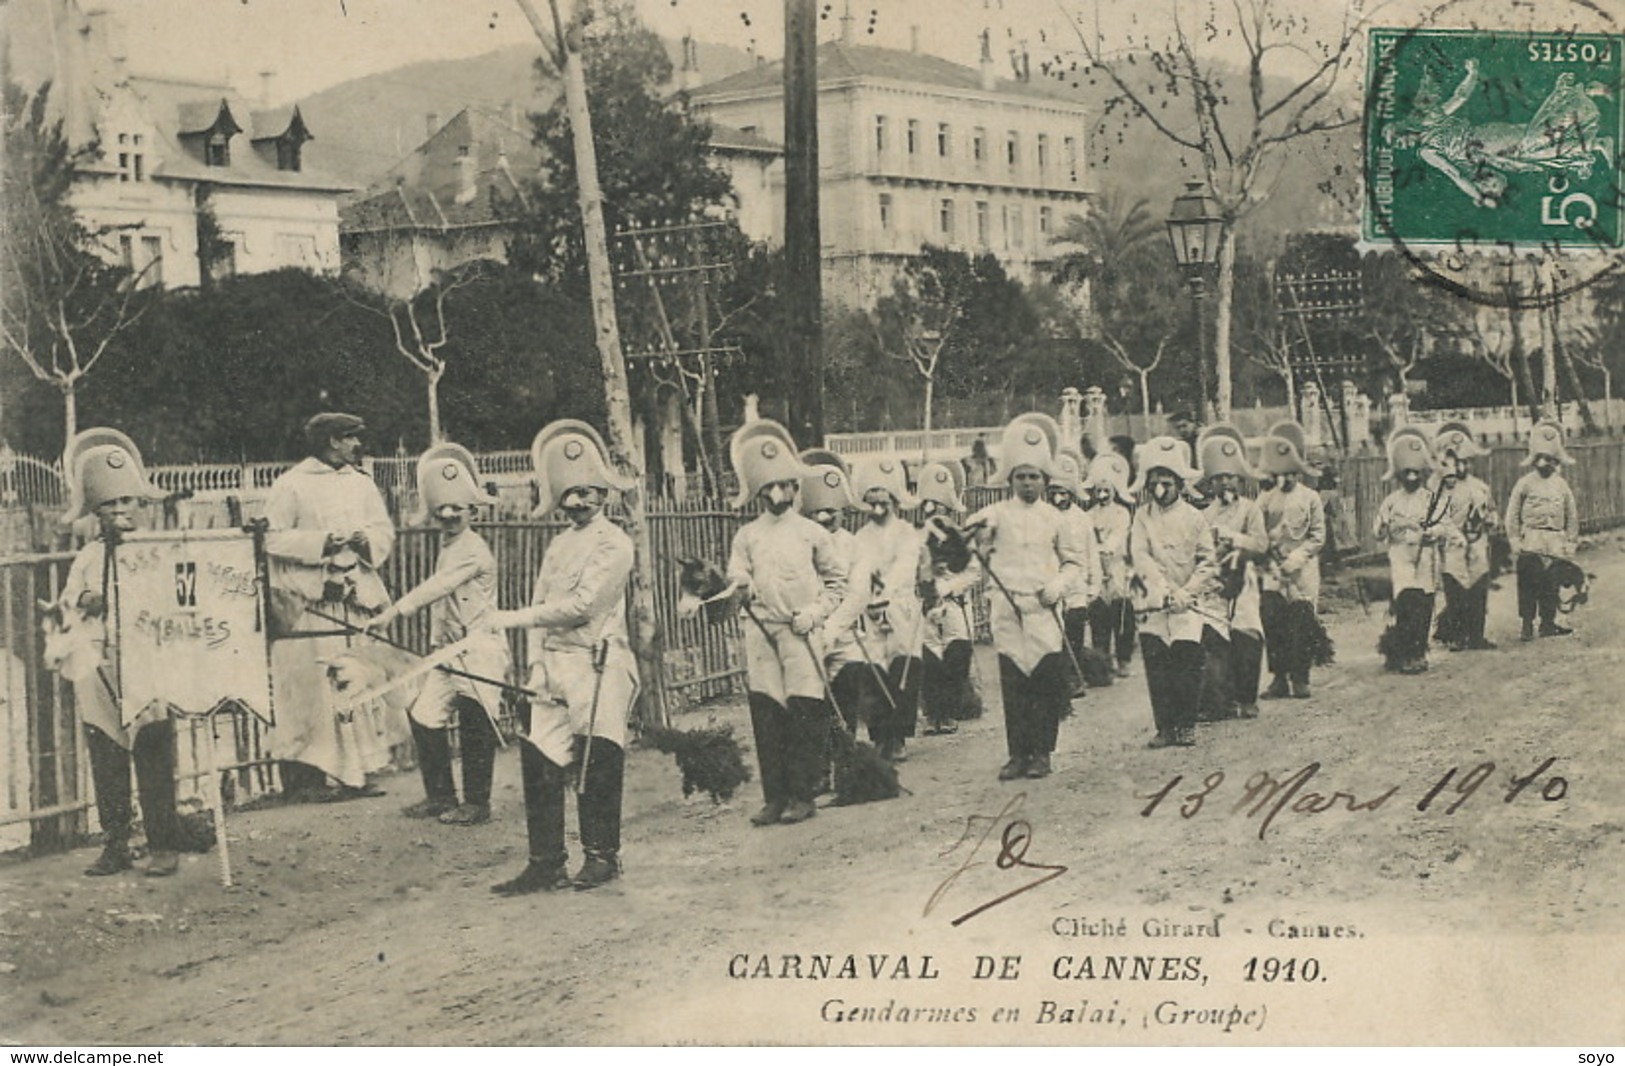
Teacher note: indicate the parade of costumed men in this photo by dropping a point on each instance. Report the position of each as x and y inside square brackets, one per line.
[106, 479]
[1174, 577]
[788, 578]
[949, 695]
[1111, 511]
[1414, 523]
[1031, 559]
[1290, 577]
[461, 597]
[583, 675]
[328, 532]
[1543, 526]
[1466, 564]
[1240, 542]
[882, 609]
[1064, 494]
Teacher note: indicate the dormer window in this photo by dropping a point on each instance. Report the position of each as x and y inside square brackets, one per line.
[217, 150]
[207, 130]
[288, 152]
[132, 161]
[279, 137]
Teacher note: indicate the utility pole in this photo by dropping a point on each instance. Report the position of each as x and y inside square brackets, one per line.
[803, 252]
[625, 451]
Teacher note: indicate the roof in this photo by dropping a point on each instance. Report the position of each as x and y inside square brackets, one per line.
[838, 61]
[439, 186]
[733, 139]
[176, 108]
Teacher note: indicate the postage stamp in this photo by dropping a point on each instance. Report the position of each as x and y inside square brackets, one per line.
[1482, 138]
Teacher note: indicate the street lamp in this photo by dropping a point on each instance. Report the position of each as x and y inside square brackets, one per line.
[1195, 228]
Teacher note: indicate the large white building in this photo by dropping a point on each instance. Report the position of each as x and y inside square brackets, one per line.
[913, 150]
[188, 177]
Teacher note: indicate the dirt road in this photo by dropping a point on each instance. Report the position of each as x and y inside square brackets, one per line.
[1501, 920]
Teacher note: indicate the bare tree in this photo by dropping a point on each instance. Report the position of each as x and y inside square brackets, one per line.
[418, 323]
[1589, 351]
[66, 296]
[917, 322]
[1181, 87]
[1126, 360]
[1272, 349]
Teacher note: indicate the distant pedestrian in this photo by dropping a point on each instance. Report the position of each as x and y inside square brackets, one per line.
[979, 467]
[1290, 577]
[948, 696]
[1111, 617]
[1172, 548]
[1543, 525]
[1473, 513]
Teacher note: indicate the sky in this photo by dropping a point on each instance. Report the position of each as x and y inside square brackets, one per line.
[312, 44]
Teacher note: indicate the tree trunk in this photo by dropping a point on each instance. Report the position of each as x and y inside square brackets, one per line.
[70, 413]
[1145, 395]
[1221, 330]
[1565, 361]
[1519, 357]
[434, 407]
[925, 438]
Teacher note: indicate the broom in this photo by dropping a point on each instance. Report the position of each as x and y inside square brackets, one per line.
[710, 759]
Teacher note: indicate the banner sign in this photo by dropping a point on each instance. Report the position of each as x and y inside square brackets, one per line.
[191, 623]
[1477, 138]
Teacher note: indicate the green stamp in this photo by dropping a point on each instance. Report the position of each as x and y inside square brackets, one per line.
[1477, 138]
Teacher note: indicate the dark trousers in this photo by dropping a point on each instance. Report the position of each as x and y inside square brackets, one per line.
[598, 808]
[478, 739]
[153, 753]
[1537, 592]
[947, 694]
[1287, 633]
[1111, 622]
[1034, 704]
[792, 744]
[891, 707]
[1246, 662]
[1465, 607]
[1218, 699]
[1173, 677]
[1413, 623]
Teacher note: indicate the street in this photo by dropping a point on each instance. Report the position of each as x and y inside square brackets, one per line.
[1360, 827]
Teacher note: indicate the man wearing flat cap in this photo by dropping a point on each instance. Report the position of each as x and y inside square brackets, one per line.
[328, 532]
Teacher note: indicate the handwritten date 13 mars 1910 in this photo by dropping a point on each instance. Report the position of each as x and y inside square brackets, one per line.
[1264, 795]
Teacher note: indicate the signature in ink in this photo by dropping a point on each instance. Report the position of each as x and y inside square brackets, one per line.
[1015, 837]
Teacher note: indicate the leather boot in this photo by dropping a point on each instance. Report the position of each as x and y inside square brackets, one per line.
[434, 765]
[543, 783]
[110, 772]
[535, 877]
[479, 740]
[599, 812]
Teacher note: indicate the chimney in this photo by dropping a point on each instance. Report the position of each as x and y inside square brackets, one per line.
[688, 74]
[267, 79]
[914, 39]
[431, 123]
[465, 178]
[990, 78]
[848, 34]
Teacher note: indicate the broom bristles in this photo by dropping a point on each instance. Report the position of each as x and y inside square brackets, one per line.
[710, 759]
[861, 774]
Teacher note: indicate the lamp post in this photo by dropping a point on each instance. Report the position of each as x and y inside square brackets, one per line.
[1195, 227]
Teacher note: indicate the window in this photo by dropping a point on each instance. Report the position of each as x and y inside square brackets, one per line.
[152, 258]
[978, 144]
[981, 223]
[217, 150]
[288, 152]
[1043, 151]
[880, 133]
[131, 162]
[1070, 146]
[1018, 227]
[885, 212]
[913, 136]
[944, 139]
[1046, 222]
[126, 251]
[945, 218]
[1012, 148]
[296, 249]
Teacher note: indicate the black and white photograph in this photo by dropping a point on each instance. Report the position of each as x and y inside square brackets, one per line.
[819, 523]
